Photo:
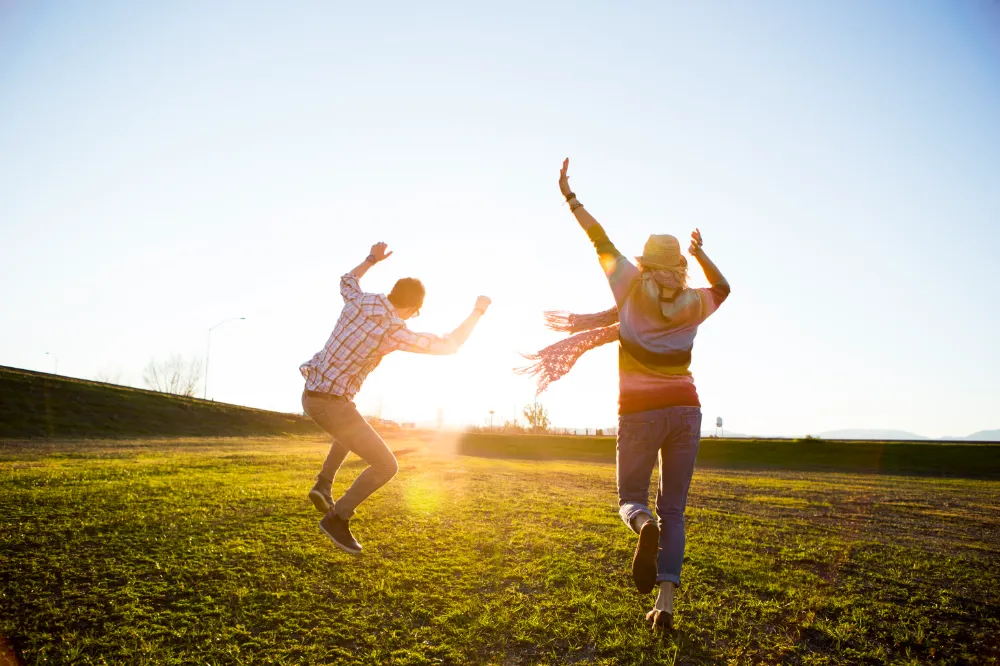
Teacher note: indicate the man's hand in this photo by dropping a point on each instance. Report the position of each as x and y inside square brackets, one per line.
[482, 303]
[564, 179]
[696, 243]
[378, 251]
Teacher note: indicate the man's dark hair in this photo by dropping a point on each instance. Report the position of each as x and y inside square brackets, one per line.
[407, 293]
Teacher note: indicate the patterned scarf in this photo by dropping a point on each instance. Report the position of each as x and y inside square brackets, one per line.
[592, 330]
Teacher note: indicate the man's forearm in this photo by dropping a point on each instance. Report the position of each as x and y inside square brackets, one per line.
[362, 268]
[462, 333]
[712, 271]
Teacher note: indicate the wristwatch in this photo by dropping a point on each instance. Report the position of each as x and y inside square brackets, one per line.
[372, 259]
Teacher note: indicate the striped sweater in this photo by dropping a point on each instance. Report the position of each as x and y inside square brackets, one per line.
[656, 334]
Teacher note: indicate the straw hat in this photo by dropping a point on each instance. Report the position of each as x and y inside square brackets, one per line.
[662, 251]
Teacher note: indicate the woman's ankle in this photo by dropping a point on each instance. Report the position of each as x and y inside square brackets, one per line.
[639, 520]
[665, 596]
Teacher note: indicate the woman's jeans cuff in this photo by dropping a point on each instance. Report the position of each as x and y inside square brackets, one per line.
[671, 578]
[629, 510]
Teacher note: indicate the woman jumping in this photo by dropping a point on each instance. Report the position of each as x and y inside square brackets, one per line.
[655, 319]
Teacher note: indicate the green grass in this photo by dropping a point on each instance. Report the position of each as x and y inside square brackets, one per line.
[36, 404]
[968, 460]
[207, 551]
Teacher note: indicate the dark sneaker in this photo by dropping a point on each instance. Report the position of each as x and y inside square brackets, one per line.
[321, 498]
[660, 620]
[644, 561]
[339, 531]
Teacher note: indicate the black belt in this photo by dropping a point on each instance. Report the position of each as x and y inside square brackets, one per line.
[325, 396]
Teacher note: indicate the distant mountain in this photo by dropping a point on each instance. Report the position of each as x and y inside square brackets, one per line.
[727, 434]
[861, 433]
[983, 436]
[873, 433]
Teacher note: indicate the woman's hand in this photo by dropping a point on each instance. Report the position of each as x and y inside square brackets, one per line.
[696, 243]
[585, 219]
[564, 179]
[712, 271]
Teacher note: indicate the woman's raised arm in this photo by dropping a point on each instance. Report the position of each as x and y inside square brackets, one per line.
[712, 272]
[621, 273]
[585, 219]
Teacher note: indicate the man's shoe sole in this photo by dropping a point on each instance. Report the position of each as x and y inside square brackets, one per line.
[320, 502]
[346, 549]
[644, 561]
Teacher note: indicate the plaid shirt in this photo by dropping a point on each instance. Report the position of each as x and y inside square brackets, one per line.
[367, 330]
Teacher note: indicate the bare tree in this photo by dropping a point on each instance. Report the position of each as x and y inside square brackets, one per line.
[537, 416]
[109, 375]
[175, 375]
[512, 426]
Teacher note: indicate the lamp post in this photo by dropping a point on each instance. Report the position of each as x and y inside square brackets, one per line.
[56, 358]
[491, 420]
[208, 348]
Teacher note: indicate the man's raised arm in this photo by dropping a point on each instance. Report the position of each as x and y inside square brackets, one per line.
[377, 254]
[349, 287]
[425, 343]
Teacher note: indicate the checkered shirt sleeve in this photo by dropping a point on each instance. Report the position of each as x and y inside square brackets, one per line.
[350, 288]
[403, 339]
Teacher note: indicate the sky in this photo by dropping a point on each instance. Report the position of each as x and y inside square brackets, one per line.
[167, 166]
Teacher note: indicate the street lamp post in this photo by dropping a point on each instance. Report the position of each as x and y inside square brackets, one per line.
[208, 348]
[56, 358]
[491, 420]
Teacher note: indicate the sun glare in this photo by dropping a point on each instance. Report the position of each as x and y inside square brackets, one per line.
[423, 494]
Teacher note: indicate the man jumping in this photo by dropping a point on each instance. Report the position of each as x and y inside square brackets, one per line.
[370, 326]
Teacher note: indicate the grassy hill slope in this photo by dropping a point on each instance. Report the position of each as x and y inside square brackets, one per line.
[37, 404]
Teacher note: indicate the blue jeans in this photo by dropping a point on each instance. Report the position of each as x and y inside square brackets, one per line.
[673, 434]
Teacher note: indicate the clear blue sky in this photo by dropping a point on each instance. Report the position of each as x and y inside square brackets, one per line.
[164, 166]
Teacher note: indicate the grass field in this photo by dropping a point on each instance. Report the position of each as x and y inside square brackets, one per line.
[206, 551]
